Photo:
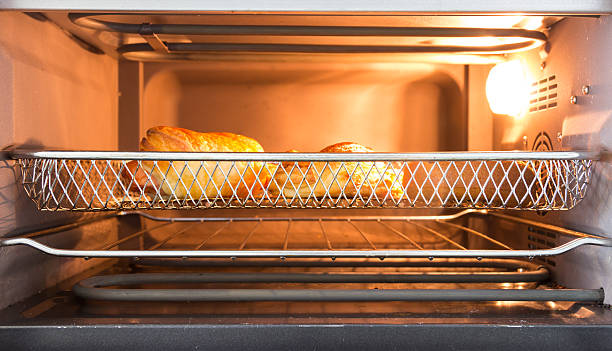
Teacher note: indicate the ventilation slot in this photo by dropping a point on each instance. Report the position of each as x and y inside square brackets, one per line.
[543, 94]
[539, 239]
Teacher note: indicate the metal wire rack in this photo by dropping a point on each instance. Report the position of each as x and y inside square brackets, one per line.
[422, 251]
[381, 237]
[90, 181]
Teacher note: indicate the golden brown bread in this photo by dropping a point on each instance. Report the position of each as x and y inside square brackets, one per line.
[337, 179]
[495, 183]
[172, 180]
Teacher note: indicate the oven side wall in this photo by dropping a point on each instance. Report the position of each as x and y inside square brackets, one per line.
[580, 54]
[54, 95]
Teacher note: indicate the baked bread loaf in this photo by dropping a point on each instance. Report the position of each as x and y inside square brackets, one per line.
[210, 181]
[337, 179]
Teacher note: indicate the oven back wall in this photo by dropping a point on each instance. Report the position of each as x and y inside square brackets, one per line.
[307, 106]
[54, 94]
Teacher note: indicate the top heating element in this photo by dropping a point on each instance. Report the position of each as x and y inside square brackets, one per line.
[87, 181]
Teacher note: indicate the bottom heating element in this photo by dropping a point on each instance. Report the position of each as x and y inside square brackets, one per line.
[297, 292]
[161, 291]
[324, 281]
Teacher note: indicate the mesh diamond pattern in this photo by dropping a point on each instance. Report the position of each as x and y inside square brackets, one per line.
[90, 185]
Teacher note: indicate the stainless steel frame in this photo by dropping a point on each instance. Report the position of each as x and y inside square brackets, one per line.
[307, 156]
[80, 180]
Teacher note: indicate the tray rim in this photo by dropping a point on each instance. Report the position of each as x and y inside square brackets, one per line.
[305, 156]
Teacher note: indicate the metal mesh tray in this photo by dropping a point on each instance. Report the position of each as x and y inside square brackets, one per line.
[88, 181]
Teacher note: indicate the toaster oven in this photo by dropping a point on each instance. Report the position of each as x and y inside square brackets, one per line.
[482, 220]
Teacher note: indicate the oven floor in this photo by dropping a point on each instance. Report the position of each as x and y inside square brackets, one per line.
[56, 319]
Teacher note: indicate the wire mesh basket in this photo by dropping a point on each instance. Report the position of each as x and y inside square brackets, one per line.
[88, 181]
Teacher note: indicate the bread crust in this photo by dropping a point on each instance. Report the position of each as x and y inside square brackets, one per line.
[243, 178]
[365, 180]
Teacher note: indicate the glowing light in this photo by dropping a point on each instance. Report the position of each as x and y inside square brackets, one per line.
[508, 89]
[477, 41]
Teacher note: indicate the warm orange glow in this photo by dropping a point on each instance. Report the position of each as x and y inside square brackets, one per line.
[508, 303]
[477, 41]
[508, 89]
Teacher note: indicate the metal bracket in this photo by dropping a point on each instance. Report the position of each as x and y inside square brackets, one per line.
[6, 153]
[147, 33]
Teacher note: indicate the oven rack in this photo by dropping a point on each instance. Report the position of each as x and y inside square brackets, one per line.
[194, 41]
[380, 237]
[97, 180]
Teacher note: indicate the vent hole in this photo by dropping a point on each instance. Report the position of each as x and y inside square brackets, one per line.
[544, 95]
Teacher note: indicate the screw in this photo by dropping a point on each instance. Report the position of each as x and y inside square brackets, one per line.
[586, 89]
[543, 65]
[559, 136]
[573, 99]
[525, 142]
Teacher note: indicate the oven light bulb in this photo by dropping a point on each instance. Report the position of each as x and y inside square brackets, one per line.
[507, 89]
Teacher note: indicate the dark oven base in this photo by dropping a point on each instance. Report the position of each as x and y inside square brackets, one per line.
[307, 337]
[63, 322]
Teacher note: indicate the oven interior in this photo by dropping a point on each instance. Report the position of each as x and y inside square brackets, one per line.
[395, 83]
